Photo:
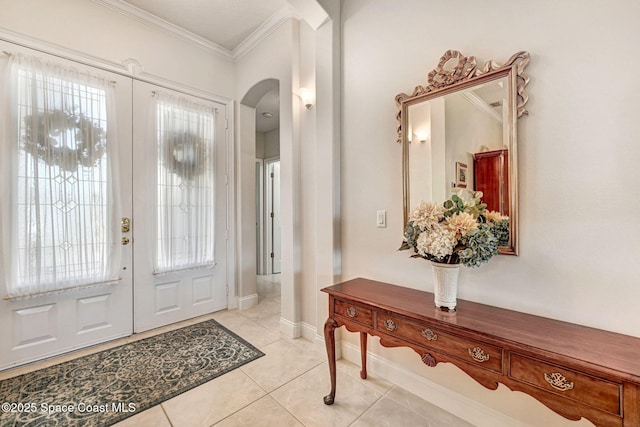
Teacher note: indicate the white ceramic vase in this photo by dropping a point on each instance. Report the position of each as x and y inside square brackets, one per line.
[445, 285]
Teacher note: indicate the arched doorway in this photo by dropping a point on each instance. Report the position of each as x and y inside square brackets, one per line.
[258, 195]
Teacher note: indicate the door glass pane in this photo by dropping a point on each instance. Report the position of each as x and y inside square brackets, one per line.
[185, 185]
[63, 190]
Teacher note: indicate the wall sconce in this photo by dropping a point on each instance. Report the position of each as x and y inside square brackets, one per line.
[307, 97]
[422, 137]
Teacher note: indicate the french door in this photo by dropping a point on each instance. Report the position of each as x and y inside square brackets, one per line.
[40, 325]
[50, 209]
[192, 203]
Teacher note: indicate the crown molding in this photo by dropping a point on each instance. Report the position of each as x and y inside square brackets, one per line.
[137, 72]
[481, 105]
[264, 30]
[140, 15]
[44, 46]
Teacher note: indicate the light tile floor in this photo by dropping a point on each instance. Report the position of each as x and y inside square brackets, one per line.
[286, 386]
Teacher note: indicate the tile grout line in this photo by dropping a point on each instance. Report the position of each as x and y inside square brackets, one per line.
[382, 395]
[165, 413]
[268, 394]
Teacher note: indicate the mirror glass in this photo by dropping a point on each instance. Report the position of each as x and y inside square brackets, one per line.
[463, 135]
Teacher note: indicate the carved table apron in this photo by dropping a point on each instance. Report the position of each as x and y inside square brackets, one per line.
[574, 370]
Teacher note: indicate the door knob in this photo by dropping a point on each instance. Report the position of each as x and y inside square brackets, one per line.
[125, 225]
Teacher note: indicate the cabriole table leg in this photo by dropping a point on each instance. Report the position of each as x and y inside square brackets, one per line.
[330, 341]
[363, 355]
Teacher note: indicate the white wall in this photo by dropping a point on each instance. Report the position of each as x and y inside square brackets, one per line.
[299, 56]
[480, 130]
[578, 149]
[268, 144]
[277, 57]
[101, 32]
[271, 144]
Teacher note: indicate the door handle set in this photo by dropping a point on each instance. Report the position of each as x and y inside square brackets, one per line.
[125, 227]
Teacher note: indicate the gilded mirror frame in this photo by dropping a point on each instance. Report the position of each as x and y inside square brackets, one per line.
[465, 74]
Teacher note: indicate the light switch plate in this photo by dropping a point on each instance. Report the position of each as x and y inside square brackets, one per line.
[381, 219]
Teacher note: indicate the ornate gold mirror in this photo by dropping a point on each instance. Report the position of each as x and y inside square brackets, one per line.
[460, 132]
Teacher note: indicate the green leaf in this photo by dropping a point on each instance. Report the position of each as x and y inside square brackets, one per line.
[404, 246]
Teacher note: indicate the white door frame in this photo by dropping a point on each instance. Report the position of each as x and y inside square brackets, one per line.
[271, 240]
[261, 265]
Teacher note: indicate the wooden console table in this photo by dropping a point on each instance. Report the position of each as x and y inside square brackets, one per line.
[574, 370]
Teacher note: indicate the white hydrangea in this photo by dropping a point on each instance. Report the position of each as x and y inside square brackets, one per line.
[439, 241]
[426, 215]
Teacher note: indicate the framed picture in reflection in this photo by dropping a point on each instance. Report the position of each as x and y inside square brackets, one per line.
[461, 175]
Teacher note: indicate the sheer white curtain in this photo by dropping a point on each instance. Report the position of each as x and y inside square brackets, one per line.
[60, 203]
[184, 135]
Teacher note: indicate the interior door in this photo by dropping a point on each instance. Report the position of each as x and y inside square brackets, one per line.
[165, 297]
[47, 324]
[260, 245]
[273, 229]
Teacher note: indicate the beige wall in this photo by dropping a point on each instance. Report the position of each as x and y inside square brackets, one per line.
[579, 236]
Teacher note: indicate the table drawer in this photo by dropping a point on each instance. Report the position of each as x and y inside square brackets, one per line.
[566, 382]
[475, 352]
[353, 312]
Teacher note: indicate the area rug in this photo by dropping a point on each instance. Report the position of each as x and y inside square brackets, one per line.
[104, 388]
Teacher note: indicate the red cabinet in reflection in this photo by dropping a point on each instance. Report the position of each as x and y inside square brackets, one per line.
[491, 176]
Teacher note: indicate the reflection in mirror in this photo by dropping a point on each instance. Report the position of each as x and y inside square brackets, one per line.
[460, 132]
[439, 143]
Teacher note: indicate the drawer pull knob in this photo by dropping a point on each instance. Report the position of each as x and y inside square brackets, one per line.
[558, 381]
[429, 334]
[352, 312]
[478, 354]
[390, 325]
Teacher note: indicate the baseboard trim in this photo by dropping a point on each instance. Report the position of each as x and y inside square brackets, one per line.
[290, 329]
[247, 302]
[452, 402]
[308, 332]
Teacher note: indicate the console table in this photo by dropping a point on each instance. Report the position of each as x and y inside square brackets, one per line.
[574, 370]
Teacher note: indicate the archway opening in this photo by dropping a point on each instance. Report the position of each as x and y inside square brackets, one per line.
[259, 191]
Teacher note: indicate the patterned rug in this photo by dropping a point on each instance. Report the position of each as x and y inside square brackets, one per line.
[104, 388]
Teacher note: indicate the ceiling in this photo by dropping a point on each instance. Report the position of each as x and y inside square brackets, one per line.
[268, 112]
[226, 23]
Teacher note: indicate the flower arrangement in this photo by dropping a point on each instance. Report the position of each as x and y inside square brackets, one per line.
[461, 230]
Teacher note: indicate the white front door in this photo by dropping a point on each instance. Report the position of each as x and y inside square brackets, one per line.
[166, 290]
[45, 324]
[54, 214]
